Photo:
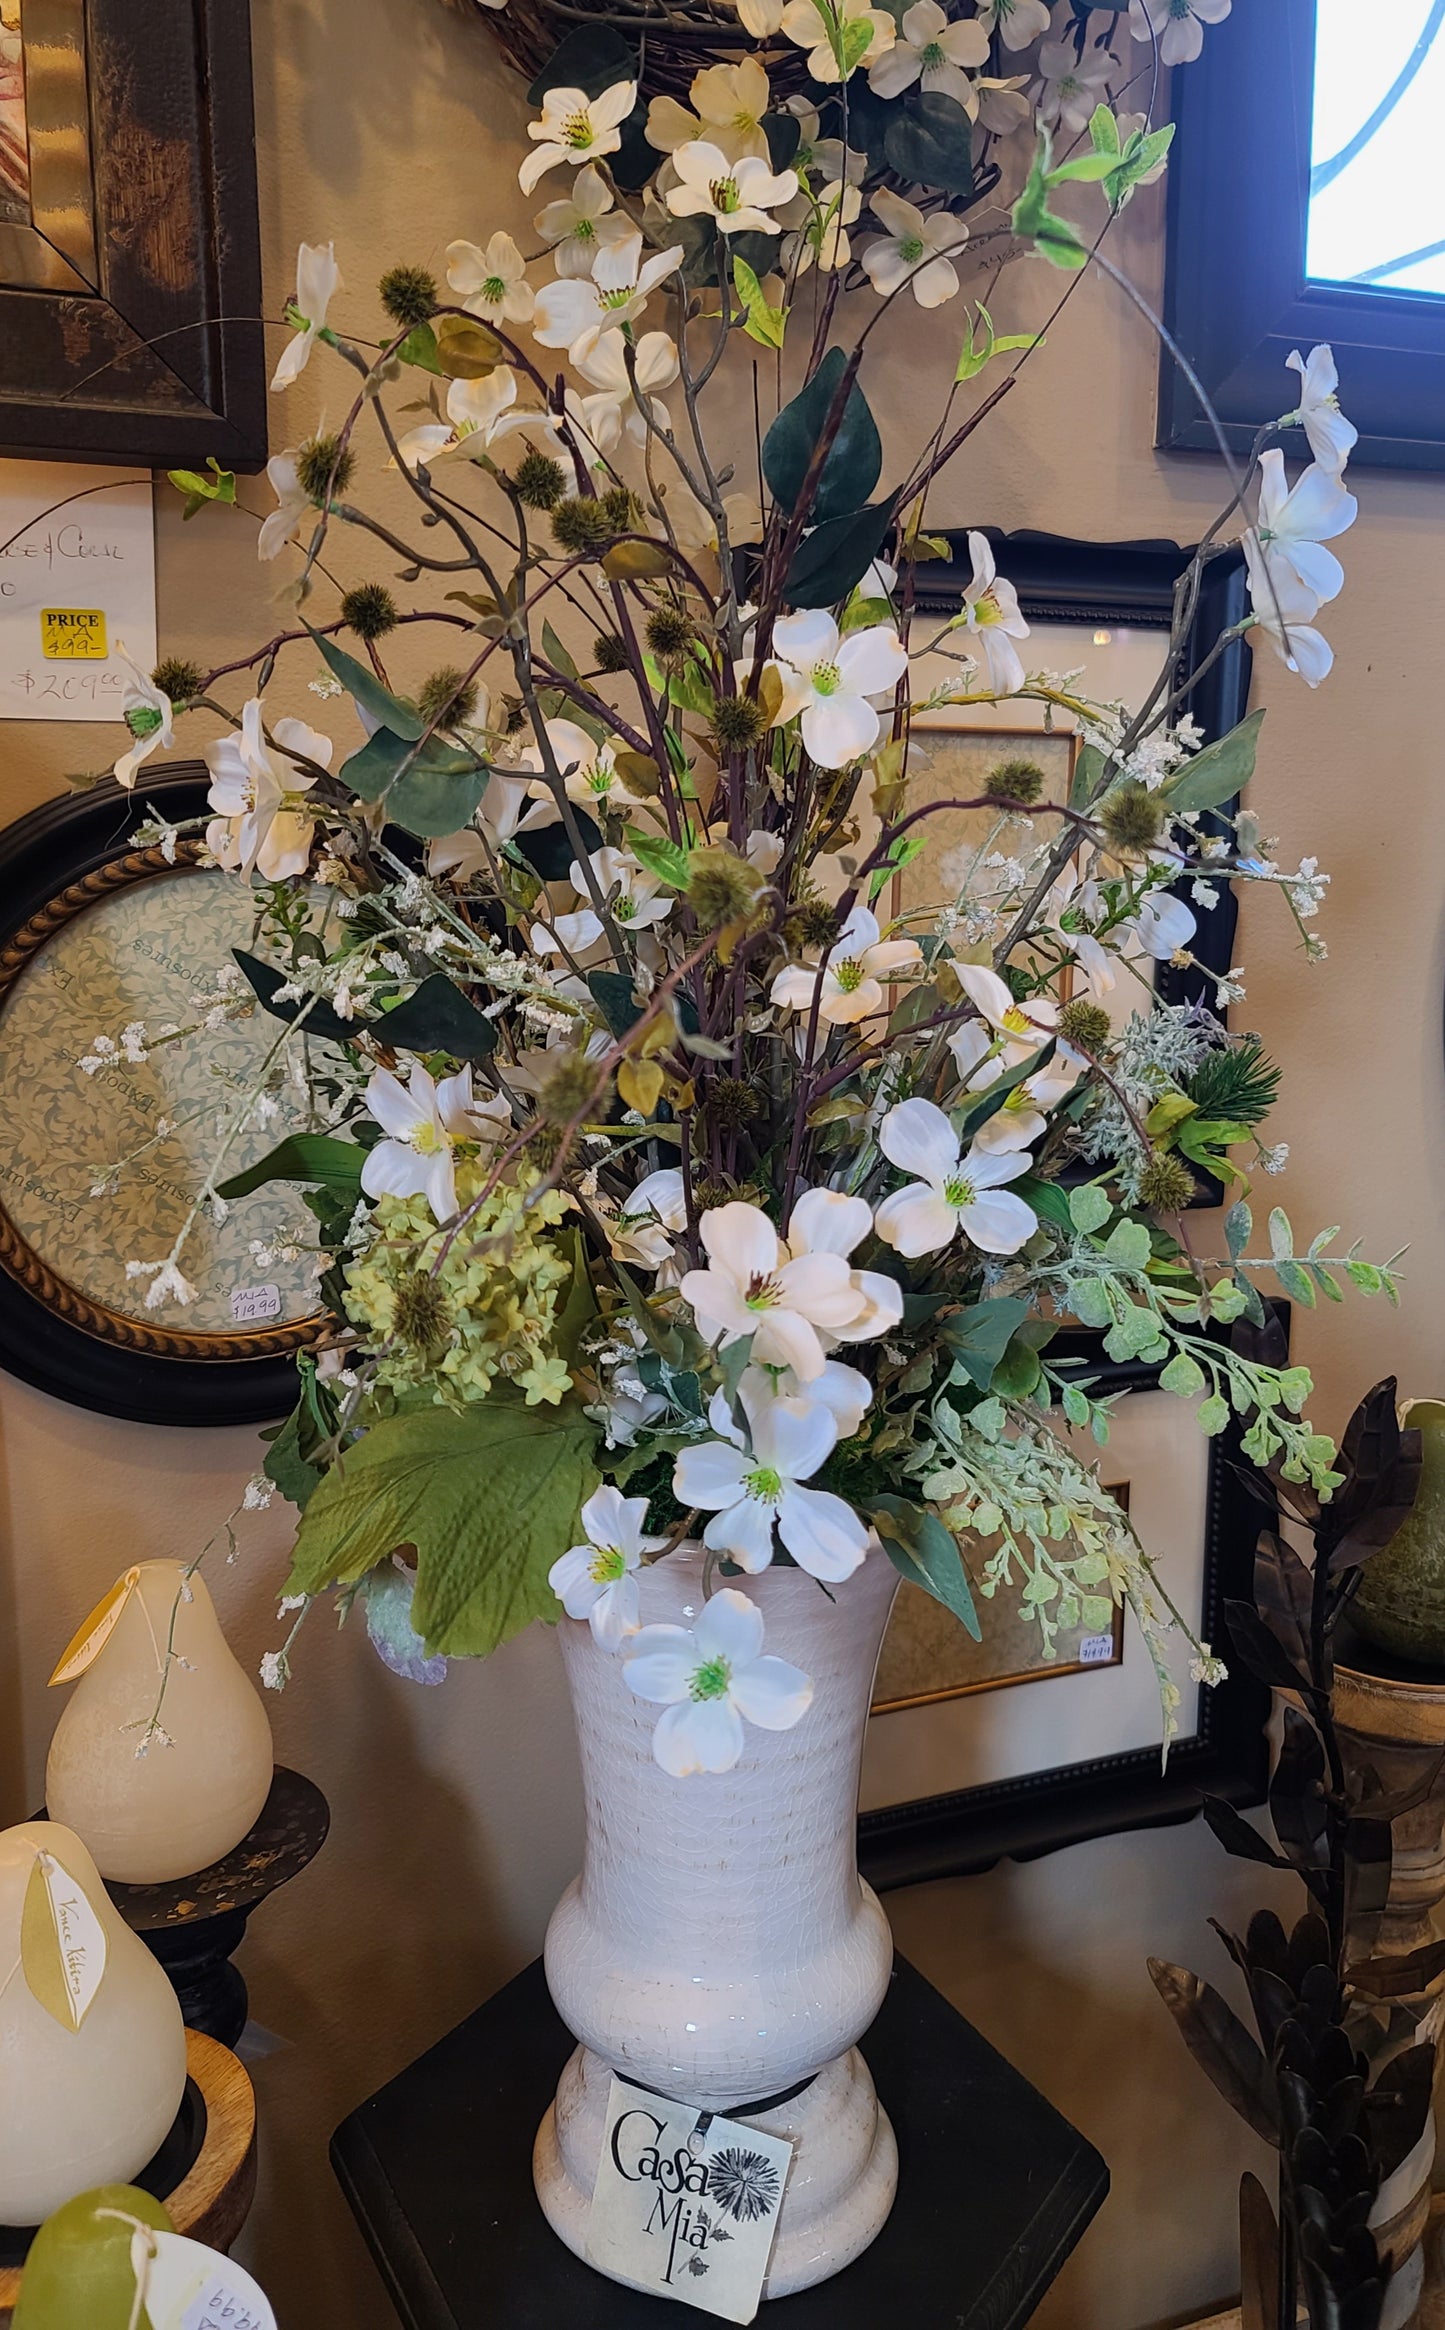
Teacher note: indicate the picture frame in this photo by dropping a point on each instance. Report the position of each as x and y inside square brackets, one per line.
[1237, 295]
[97, 926]
[1221, 1750]
[130, 259]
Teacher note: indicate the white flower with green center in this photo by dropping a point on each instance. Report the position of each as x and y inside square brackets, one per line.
[1023, 1028]
[915, 252]
[624, 377]
[991, 616]
[598, 1581]
[788, 1296]
[576, 314]
[480, 414]
[849, 982]
[636, 902]
[1176, 25]
[755, 1488]
[828, 681]
[731, 101]
[263, 822]
[1073, 84]
[738, 196]
[582, 223]
[952, 1192]
[641, 1231]
[1023, 1118]
[146, 710]
[1293, 526]
[712, 1678]
[1017, 22]
[293, 503]
[491, 283]
[318, 279]
[817, 30]
[1332, 438]
[576, 128]
[932, 53]
[425, 1122]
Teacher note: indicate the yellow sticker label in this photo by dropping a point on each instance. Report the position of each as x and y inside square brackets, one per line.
[87, 1643]
[73, 634]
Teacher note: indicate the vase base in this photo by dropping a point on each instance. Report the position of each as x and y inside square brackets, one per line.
[840, 2189]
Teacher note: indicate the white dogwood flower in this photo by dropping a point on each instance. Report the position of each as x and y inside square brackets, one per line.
[644, 1226]
[318, 279]
[1177, 25]
[424, 1122]
[754, 1490]
[1293, 526]
[731, 101]
[819, 226]
[815, 31]
[1299, 646]
[638, 904]
[576, 128]
[828, 680]
[991, 616]
[844, 1391]
[914, 250]
[1023, 1118]
[575, 312]
[292, 504]
[1017, 22]
[582, 223]
[1023, 1028]
[263, 822]
[1073, 84]
[1332, 439]
[824, 1221]
[710, 1679]
[738, 196]
[148, 714]
[952, 1192]
[762, 18]
[598, 1581]
[602, 358]
[491, 283]
[850, 975]
[786, 1296]
[480, 413]
[933, 53]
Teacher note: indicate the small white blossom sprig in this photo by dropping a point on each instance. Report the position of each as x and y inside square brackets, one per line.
[275, 1668]
[711, 1679]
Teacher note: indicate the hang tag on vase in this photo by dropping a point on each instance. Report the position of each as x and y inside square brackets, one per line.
[686, 2205]
[191, 2287]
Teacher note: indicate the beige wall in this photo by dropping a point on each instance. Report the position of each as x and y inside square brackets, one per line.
[387, 124]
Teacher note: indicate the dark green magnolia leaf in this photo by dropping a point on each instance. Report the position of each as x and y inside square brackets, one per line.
[316, 1157]
[979, 1336]
[286, 1467]
[784, 132]
[929, 142]
[370, 769]
[1049, 1201]
[437, 1017]
[1088, 777]
[1217, 773]
[591, 58]
[922, 1550]
[439, 793]
[486, 1495]
[321, 1020]
[363, 684]
[855, 457]
[611, 991]
[548, 850]
[1221, 2045]
[1017, 1374]
[836, 556]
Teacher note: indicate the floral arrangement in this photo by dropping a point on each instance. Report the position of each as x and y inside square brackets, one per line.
[665, 1172]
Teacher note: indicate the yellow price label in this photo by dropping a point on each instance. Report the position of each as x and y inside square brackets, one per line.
[73, 634]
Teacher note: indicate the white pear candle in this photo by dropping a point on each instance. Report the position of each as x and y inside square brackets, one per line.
[91, 2037]
[163, 1759]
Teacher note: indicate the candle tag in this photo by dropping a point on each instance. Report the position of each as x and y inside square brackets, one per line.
[86, 1645]
[191, 2287]
[62, 1943]
[686, 2205]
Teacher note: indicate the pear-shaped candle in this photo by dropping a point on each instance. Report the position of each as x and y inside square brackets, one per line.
[92, 2044]
[162, 1761]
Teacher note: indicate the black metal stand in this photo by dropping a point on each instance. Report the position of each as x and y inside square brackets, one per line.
[994, 2190]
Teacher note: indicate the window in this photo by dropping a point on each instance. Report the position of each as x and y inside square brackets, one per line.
[1377, 192]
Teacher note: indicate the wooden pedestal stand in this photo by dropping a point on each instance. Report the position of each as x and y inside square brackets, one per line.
[211, 2200]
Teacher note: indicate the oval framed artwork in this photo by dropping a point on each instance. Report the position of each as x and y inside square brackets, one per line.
[101, 932]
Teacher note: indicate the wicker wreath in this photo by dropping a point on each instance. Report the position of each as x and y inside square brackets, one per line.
[675, 39]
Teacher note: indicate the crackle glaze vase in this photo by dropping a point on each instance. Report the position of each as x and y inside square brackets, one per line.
[719, 1946]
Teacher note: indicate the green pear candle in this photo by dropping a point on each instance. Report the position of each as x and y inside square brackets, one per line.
[1401, 1601]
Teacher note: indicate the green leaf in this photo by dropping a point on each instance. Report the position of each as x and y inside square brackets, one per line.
[439, 793]
[1076, 1404]
[611, 991]
[580, 1308]
[489, 1496]
[286, 1467]
[559, 656]
[548, 849]
[1281, 1236]
[1035, 223]
[1213, 1416]
[1089, 1206]
[420, 348]
[1238, 1229]
[315, 1157]
[855, 457]
[321, 1020]
[437, 1017]
[220, 486]
[979, 1336]
[976, 354]
[1128, 1246]
[836, 555]
[371, 768]
[967, 1118]
[1018, 1373]
[1297, 1283]
[1049, 1202]
[1215, 775]
[1083, 170]
[1183, 1376]
[1103, 129]
[668, 860]
[1088, 776]
[851, 43]
[592, 58]
[1142, 154]
[922, 1550]
[767, 325]
[929, 141]
[368, 691]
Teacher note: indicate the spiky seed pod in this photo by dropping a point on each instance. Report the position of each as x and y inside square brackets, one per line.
[721, 886]
[610, 652]
[570, 1087]
[514, 715]
[732, 1103]
[447, 697]
[708, 1194]
[1015, 780]
[669, 632]
[409, 295]
[622, 509]
[1086, 1026]
[1166, 1184]
[423, 1320]
[540, 482]
[737, 723]
[369, 610]
[324, 469]
[1132, 819]
[580, 525]
[813, 923]
[178, 679]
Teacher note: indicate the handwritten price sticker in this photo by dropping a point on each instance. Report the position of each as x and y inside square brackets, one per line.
[187, 2286]
[249, 1303]
[73, 634]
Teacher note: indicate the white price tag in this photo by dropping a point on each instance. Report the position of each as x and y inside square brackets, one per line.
[190, 2287]
[1096, 1650]
[686, 2206]
[249, 1303]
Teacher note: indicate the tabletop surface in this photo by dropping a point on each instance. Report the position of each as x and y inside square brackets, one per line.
[995, 2187]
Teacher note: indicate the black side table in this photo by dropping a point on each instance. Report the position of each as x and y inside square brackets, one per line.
[995, 2187]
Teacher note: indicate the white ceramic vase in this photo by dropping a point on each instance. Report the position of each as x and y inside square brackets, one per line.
[719, 1945]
